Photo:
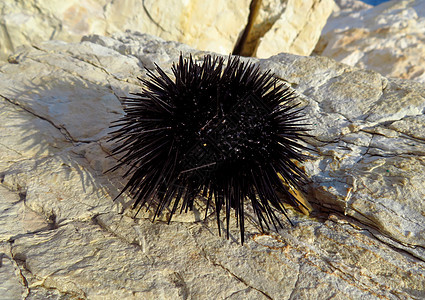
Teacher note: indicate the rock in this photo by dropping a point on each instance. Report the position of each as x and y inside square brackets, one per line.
[387, 38]
[297, 28]
[208, 25]
[27, 22]
[348, 6]
[214, 26]
[285, 26]
[12, 284]
[366, 239]
[205, 25]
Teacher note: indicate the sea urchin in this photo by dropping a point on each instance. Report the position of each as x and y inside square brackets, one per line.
[224, 132]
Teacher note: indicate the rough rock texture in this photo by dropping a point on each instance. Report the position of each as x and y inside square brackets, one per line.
[290, 26]
[348, 6]
[62, 236]
[209, 25]
[388, 38]
[294, 27]
[212, 25]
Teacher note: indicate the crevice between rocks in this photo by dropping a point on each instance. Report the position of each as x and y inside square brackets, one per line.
[234, 294]
[107, 229]
[151, 18]
[37, 282]
[305, 24]
[295, 285]
[22, 279]
[349, 278]
[402, 248]
[62, 130]
[364, 286]
[242, 47]
[84, 79]
[216, 264]
[10, 149]
[81, 60]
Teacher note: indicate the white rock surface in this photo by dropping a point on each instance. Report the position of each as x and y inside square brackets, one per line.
[349, 6]
[290, 26]
[12, 283]
[297, 29]
[388, 38]
[62, 236]
[212, 25]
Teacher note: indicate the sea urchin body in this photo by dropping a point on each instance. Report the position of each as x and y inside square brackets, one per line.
[224, 132]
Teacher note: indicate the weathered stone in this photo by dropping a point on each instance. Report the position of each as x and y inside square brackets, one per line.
[26, 133]
[12, 283]
[349, 6]
[388, 38]
[369, 170]
[206, 25]
[16, 218]
[281, 25]
[296, 30]
[26, 22]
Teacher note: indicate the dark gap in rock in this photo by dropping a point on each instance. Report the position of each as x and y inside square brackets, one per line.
[250, 38]
[241, 45]
[22, 195]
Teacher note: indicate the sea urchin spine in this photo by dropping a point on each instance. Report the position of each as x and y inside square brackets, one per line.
[225, 132]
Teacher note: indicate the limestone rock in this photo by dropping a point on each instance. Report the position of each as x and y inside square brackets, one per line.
[349, 6]
[297, 28]
[205, 25]
[283, 25]
[63, 236]
[27, 22]
[208, 25]
[11, 281]
[388, 38]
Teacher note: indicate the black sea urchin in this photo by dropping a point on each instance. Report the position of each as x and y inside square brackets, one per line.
[227, 133]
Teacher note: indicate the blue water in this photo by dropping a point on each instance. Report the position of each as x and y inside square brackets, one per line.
[374, 2]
